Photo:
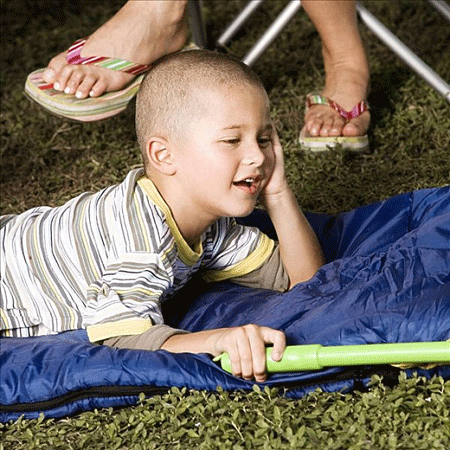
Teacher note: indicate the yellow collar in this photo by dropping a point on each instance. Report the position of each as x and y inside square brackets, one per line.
[186, 253]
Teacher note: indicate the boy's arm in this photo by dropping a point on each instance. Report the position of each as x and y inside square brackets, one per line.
[117, 320]
[299, 247]
[151, 340]
[245, 346]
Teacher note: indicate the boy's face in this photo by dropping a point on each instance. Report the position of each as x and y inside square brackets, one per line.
[225, 157]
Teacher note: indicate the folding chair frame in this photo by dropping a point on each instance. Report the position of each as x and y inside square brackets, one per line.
[382, 32]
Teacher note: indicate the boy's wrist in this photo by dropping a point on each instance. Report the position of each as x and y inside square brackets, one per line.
[198, 342]
[274, 199]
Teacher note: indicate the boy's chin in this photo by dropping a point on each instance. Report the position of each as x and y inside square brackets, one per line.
[243, 212]
[241, 215]
[241, 208]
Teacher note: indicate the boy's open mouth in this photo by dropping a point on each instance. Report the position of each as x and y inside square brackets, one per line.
[250, 183]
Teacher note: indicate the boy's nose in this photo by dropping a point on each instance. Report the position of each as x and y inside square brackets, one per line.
[254, 155]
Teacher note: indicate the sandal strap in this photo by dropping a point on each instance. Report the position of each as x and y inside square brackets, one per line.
[357, 110]
[74, 57]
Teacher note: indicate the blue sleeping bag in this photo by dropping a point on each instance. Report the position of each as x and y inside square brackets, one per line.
[387, 279]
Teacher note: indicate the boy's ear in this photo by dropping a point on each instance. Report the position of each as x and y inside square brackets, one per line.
[159, 156]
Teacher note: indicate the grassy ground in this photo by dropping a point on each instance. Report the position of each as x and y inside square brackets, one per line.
[46, 160]
[414, 416]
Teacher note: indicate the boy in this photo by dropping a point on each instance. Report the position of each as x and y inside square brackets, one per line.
[105, 261]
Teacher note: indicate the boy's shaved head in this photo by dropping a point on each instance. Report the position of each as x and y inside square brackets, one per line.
[169, 95]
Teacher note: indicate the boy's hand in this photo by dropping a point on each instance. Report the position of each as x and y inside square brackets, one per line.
[277, 182]
[300, 250]
[246, 347]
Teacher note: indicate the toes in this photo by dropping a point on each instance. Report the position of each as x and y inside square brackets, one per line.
[331, 126]
[85, 88]
[54, 66]
[351, 129]
[324, 123]
[98, 88]
[313, 126]
[49, 75]
[62, 78]
[314, 121]
[336, 127]
[81, 80]
[357, 126]
[75, 79]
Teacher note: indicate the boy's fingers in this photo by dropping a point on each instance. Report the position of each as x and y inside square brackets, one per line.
[235, 361]
[274, 134]
[276, 141]
[245, 355]
[247, 351]
[278, 339]
[258, 350]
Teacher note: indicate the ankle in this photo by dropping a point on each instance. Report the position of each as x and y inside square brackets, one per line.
[346, 78]
[171, 12]
[351, 58]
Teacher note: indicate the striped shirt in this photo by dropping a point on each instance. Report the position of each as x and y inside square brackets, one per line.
[105, 261]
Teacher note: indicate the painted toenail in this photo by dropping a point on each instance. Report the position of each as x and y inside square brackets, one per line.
[67, 90]
[78, 94]
[57, 86]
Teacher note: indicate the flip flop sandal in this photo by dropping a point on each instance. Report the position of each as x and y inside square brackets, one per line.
[91, 108]
[323, 143]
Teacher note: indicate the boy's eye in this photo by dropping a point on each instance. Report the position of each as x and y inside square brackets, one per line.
[264, 141]
[233, 141]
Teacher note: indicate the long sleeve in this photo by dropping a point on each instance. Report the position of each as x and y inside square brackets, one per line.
[126, 300]
[152, 339]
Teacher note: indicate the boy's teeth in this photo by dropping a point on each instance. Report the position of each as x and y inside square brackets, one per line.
[247, 181]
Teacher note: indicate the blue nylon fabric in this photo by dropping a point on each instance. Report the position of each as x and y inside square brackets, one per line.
[387, 279]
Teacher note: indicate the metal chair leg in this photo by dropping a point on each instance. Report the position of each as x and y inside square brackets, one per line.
[442, 6]
[273, 31]
[237, 23]
[401, 50]
[383, 33]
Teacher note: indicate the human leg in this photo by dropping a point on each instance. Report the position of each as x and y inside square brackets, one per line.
[346, 69]
[141, 31]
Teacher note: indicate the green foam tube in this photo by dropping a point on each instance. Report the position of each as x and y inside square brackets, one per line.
[315, 357]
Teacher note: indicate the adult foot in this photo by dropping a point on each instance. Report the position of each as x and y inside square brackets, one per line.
[347, 87]
[141, 32]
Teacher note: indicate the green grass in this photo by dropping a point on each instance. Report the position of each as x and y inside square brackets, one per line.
[415, 415]
[46, 160]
